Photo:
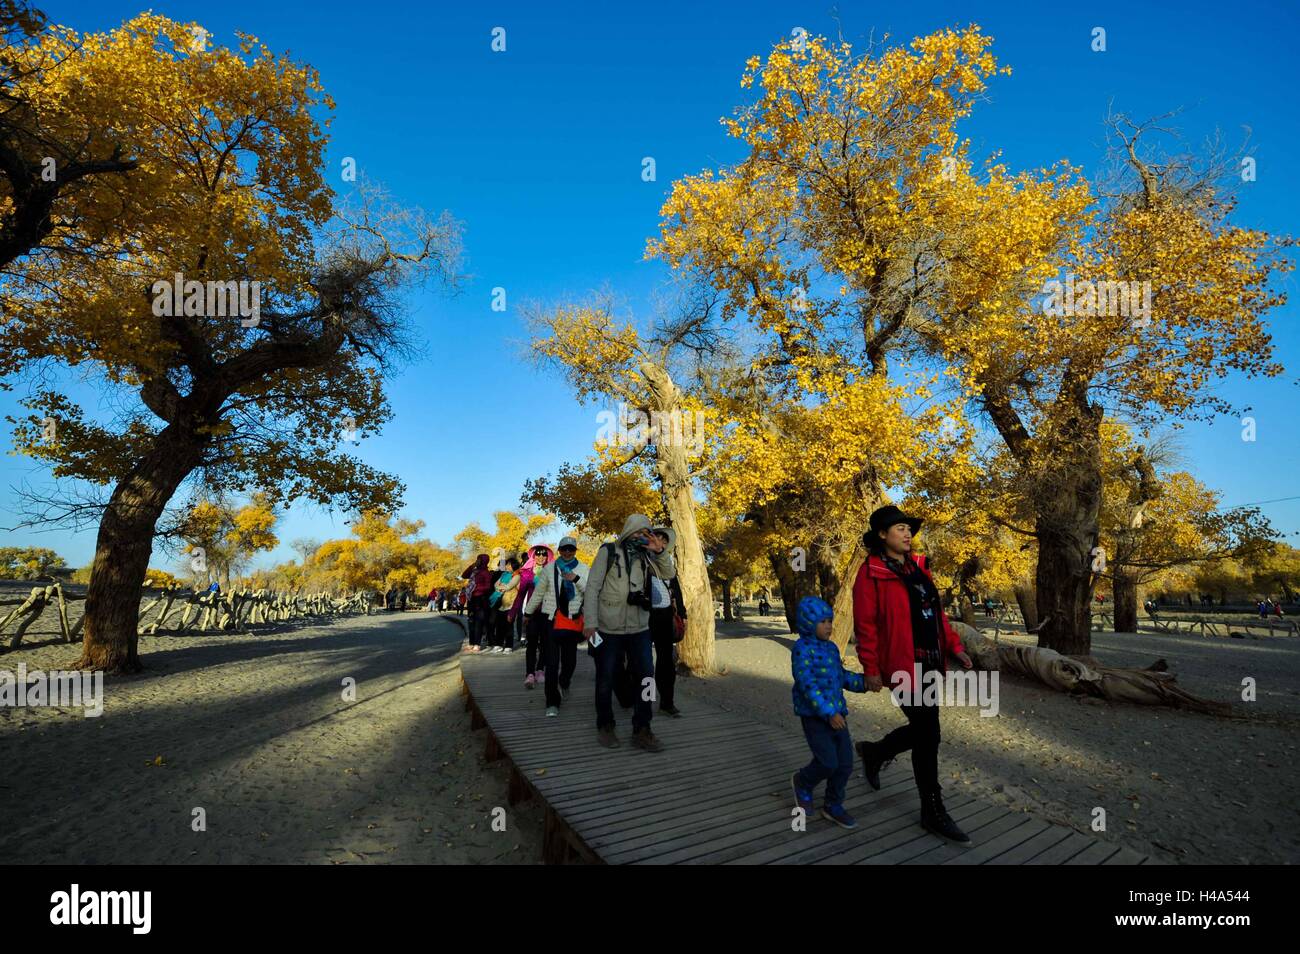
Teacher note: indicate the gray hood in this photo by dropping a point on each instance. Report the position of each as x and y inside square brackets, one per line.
[633, 524]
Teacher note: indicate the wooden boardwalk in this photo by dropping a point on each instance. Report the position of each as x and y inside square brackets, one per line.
[720, 792]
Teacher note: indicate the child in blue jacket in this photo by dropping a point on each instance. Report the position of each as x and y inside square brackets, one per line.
[819, 683]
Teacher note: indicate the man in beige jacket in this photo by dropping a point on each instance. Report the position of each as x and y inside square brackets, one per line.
[616, 611]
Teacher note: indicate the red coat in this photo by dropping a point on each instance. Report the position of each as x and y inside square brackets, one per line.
[882, 621]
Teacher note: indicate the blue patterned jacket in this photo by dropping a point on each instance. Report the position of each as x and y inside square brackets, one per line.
[820, 678]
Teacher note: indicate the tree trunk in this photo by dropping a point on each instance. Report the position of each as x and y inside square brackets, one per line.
[1067, 525]
[842, 627]
[122, 552]
[1028, 605]
[967, 611]
[1126, 602]
[726, 600]
[788, 583]
[696, 650]
[828, 580]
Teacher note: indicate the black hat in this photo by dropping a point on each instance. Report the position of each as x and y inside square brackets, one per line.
[882, 519]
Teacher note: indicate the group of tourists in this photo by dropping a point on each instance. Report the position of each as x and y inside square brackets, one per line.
[627, 607]
[1269, 607]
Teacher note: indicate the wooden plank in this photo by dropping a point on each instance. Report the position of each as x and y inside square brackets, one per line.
[1094, 854]
[974, 817]
[1063, 851]
[1023, 852]
[721, 812]
[747, 835]
[982, 852]
[1125, 856]
[719, 792]
[876, 812]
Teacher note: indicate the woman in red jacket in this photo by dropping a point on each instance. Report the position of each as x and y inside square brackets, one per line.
[902, 631]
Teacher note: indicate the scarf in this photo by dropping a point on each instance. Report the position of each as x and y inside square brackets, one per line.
[923, 596]
[567, 590]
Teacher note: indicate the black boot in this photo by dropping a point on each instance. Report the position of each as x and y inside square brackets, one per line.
[872, 762]
[935, 818]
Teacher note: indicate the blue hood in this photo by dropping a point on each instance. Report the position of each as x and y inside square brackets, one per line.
[812, 610]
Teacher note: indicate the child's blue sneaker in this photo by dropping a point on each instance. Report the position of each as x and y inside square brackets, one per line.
[803, 797]
[840, 816]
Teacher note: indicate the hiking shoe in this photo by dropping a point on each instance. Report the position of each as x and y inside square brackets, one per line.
[607, 738]
[552, 711]
[670, 710]
[840, 816]
[529, 681]
[803, 797]
[935, 818]
[645, 739]
[872, 762]
[507, 651]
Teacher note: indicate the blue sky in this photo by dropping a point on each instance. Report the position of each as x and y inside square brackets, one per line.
[538, 152]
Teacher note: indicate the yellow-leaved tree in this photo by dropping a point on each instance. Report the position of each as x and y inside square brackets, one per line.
[858, 224]
[241, 315]
[653, 422]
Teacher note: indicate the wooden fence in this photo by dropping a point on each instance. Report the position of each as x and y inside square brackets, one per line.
[185, 609]
[1104, 621]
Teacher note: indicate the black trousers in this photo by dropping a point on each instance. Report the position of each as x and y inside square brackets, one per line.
[479, 620]
[661, 635]
[505, 630]
[561, 661]
[921, 736]
[535, 632]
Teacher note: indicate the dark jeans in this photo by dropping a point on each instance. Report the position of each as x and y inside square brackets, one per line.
[661, 634]
[921, 735]
[505, 632]
[561, 661]
[535, 632]
[635, 648]
[832, 758]
[479, 620]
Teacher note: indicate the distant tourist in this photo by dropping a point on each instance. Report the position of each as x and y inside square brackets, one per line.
[819, 683]
[503, 596]
[536, 624]
[480, 578]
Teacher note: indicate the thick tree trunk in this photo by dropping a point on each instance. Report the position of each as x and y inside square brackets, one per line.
[1126, 602]
[726, 600]
[122, 552]
[1063, 585]
[696, 650]
[1069, 506]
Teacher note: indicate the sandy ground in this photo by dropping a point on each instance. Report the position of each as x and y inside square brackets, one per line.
[1185, 788]
[254, 729]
